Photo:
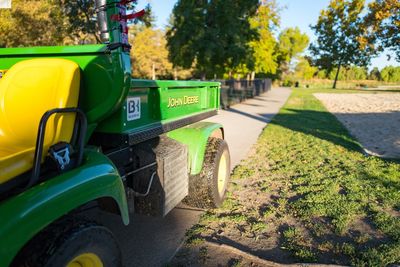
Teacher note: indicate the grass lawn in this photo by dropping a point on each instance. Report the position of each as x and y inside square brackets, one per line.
[307, 193]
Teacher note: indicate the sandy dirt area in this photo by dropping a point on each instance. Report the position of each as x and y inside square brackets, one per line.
[210, 254]
[374, 119]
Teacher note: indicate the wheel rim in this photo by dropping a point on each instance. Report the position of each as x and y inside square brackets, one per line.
[222, 174]
[86, 260]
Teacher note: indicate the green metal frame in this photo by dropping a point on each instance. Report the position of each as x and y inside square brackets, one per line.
[195, 136]
[24, 215]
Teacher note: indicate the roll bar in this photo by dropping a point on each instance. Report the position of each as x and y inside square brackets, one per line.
[112, 20]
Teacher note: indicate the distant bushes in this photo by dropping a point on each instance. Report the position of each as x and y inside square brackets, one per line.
[390, 74]
[349, 74]
[305, 72]
[387, 74]
[327, 83]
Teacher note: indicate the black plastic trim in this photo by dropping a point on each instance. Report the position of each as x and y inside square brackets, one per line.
[129, 139]
[41, 134]
[136, 138]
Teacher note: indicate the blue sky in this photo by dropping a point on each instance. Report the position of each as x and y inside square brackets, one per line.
[299, 13]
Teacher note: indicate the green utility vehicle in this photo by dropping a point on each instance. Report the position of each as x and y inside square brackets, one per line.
[76, 131]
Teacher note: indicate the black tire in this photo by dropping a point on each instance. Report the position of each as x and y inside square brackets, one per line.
[204, 191]
[63, 241]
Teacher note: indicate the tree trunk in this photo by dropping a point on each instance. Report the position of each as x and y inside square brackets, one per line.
[153, 70]
[337, 75]
[253, 75]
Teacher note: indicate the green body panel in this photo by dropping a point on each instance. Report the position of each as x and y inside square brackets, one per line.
[162, 102]
[24, 215]
[107, 88]
[38, 51]
[195, 136]
[105, 75]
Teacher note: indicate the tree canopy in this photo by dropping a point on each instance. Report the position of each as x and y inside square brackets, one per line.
[304, 70]
[219, 38]
[31, 23]
[390, 74]
[80, 24]
[292, 42]
[150, 56]
[339, 30]
[211, 35]
[52, 22]
[265, 23]
[383, 25]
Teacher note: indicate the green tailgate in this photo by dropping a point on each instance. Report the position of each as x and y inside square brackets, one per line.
[151, 103]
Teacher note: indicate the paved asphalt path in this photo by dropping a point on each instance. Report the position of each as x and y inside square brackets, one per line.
[150, 241]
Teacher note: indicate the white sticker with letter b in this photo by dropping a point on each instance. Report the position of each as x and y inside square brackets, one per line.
[133, 108]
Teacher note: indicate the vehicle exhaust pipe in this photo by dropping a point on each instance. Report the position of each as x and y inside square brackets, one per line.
[102, 20]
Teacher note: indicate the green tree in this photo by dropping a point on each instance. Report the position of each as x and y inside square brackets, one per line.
[336, 74]
[31, 23]
[339, 30]
[349, 73]
[79, 21]
[304, 70]
[375, 74]
[150, 55]
[322, 74]
[390, 74]
[356, 73]
[265, 22]
[212, 35]
[51, 22]
[292, 42]
[383, 20]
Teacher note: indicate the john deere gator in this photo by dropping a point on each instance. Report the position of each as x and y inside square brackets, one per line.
[76, 131]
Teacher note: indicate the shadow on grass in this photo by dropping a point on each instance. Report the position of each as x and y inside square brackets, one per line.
[381, 138]
[320, 124]
[381, 181]
[275, 253]
[325, 126]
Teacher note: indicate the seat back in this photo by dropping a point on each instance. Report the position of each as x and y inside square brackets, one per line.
[27, 91]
